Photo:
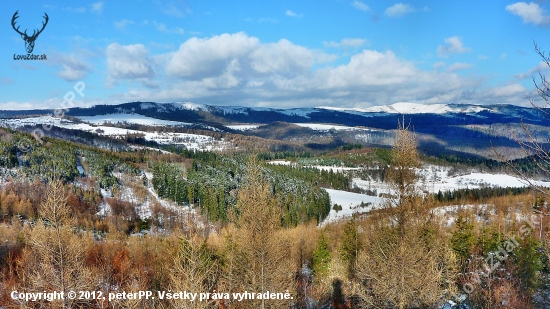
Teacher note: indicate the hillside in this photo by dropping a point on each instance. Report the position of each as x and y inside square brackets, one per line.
[145, 185]
[442, 129]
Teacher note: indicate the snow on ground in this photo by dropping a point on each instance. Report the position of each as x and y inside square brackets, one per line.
[412, 108]
[31, 121]
[192, 106]
[435, 178]
[320, 167]
[244, 127]
[378, 186]
[448, 214]
[326, 127]
[131, 118]
[303, 112]
[191, 141]
[335, 169]
[104, 207]
[280, 162]
[351, 203]
[149, 148]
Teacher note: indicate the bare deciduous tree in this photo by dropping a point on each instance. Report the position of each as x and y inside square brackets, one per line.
[532, 144]
[195, 270]
[54, 257]
[261, 256]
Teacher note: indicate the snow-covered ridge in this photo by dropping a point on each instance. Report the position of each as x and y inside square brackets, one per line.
[192, 106]
[414, 108]
[131, 118]
[327, 127]
[190, 141]
[301, 112]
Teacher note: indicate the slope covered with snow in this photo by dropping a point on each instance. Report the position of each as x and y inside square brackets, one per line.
[414, 108]
[131, 118]
[190, 141]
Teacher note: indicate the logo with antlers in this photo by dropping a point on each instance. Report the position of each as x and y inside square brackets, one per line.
[29, 40]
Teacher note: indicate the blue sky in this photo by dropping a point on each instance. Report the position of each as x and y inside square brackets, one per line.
[274, 53]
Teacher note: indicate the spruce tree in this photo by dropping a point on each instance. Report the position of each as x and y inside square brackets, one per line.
[321, 256]
[463, 239]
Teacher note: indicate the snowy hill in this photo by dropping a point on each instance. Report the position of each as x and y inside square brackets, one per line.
[416, 108]
[449, 128]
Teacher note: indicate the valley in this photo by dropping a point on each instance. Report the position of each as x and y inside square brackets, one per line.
[153, 171]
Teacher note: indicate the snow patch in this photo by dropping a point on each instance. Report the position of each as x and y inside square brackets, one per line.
[131, 118]
[413, 108]
[244, 127]
[351, 203]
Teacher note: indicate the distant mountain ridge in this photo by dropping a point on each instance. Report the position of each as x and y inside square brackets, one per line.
[382, 117]
[469, 128]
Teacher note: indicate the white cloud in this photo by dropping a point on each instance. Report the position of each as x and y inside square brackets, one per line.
[200, 58]
[321, 57]
[347, 42]
[238, 69]
[97, 7]
[454, 46]
[74, 68]
[77, 10]
[163, 28]
[282, 57]
[529, 13]
[14, 105]
[121, 25]
[292, 14]
[541, 67]
[398, 10]
[128, 62]
[6, 80]
[439, 64]
[383, 69]
[507, 91]
[267, 20]
[176, 8]
[458, 66]
[331, 44]
[360, 6]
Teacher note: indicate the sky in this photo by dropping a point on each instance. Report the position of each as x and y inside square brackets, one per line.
[280, 54]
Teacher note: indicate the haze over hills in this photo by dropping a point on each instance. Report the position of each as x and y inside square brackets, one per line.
[441, 128]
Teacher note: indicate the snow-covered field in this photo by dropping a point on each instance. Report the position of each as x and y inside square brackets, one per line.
[131, 118]
[244, 127]
[435, 178]
[327, 127]
[432, 179]
[191, 141]
[280, 162]
[412, 108]
[351, 203]
[320, 167]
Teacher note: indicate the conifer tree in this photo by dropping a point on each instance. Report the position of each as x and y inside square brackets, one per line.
[321, 257]
[262, 254]
[463, 239]
[54, 256]
[350, 246]
[401, 267]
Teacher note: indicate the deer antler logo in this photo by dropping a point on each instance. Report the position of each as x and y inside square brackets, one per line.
[29, 40]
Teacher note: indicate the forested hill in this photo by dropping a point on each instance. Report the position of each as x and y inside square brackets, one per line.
[455, 114]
